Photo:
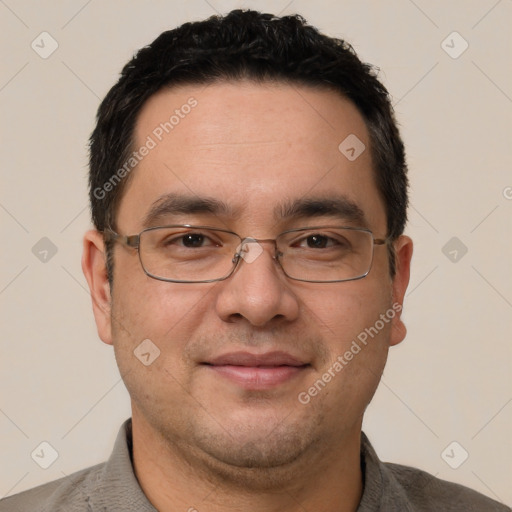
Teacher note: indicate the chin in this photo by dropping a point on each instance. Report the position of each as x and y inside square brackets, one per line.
[259, 464]
[269, 447]
[259, 452]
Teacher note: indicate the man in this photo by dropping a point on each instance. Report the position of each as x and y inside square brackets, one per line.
[249, 192]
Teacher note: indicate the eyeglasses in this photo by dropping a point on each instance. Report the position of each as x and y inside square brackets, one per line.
[202, 254]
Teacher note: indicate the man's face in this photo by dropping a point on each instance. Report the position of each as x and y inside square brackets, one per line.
[255, 148]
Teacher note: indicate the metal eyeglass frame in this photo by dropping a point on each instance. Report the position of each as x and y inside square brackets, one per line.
[133, 241]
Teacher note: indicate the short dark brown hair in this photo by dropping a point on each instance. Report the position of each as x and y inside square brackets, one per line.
[244, 45]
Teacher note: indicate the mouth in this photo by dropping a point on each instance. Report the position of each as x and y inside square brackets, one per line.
[257, 371]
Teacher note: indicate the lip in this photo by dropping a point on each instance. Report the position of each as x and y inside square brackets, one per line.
[253, 360]
[257, 371]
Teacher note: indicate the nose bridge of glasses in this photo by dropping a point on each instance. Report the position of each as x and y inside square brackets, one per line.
[251, 248]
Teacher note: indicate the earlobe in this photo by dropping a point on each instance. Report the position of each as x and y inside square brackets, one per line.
[403, 255]
[95, 271]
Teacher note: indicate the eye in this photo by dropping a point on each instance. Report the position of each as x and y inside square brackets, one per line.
[317, 241]
[189, 240]
[193, 240]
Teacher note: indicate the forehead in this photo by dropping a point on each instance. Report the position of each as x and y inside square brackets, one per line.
[252, 146]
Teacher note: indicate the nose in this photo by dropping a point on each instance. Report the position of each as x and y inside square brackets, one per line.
[258, 290]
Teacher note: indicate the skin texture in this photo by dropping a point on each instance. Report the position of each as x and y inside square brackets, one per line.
[200, 439]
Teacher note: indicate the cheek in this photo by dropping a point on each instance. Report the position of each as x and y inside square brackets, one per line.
[347, 309]
[357, 341]
[151, 308]
[356, 322]
[152, 324]
[156, 318]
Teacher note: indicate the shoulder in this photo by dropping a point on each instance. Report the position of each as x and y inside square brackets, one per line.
[426, 492]
[70, 494]
[111, 486]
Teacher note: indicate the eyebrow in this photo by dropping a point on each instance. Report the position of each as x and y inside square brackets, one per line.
[174, 204]
[333, 206]
[305, 208]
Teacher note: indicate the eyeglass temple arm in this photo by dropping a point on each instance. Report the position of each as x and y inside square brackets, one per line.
[129, 241]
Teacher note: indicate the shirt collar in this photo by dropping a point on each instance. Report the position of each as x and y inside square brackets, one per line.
[116, 484]
[381, 490]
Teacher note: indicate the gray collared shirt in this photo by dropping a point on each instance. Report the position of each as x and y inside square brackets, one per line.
[113, 487]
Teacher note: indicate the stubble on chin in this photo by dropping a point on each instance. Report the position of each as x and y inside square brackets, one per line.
[248, 459]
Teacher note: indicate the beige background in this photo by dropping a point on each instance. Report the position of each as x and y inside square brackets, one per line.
[449, 381]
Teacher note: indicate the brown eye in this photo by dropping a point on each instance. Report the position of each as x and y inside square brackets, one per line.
[193, 240]
[317, 241]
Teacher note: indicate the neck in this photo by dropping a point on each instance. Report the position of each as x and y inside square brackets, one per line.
[176, 477]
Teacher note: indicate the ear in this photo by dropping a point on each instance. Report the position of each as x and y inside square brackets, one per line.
[403, 255]
[94, 266]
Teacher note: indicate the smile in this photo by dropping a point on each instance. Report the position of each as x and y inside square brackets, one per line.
[257, 371]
